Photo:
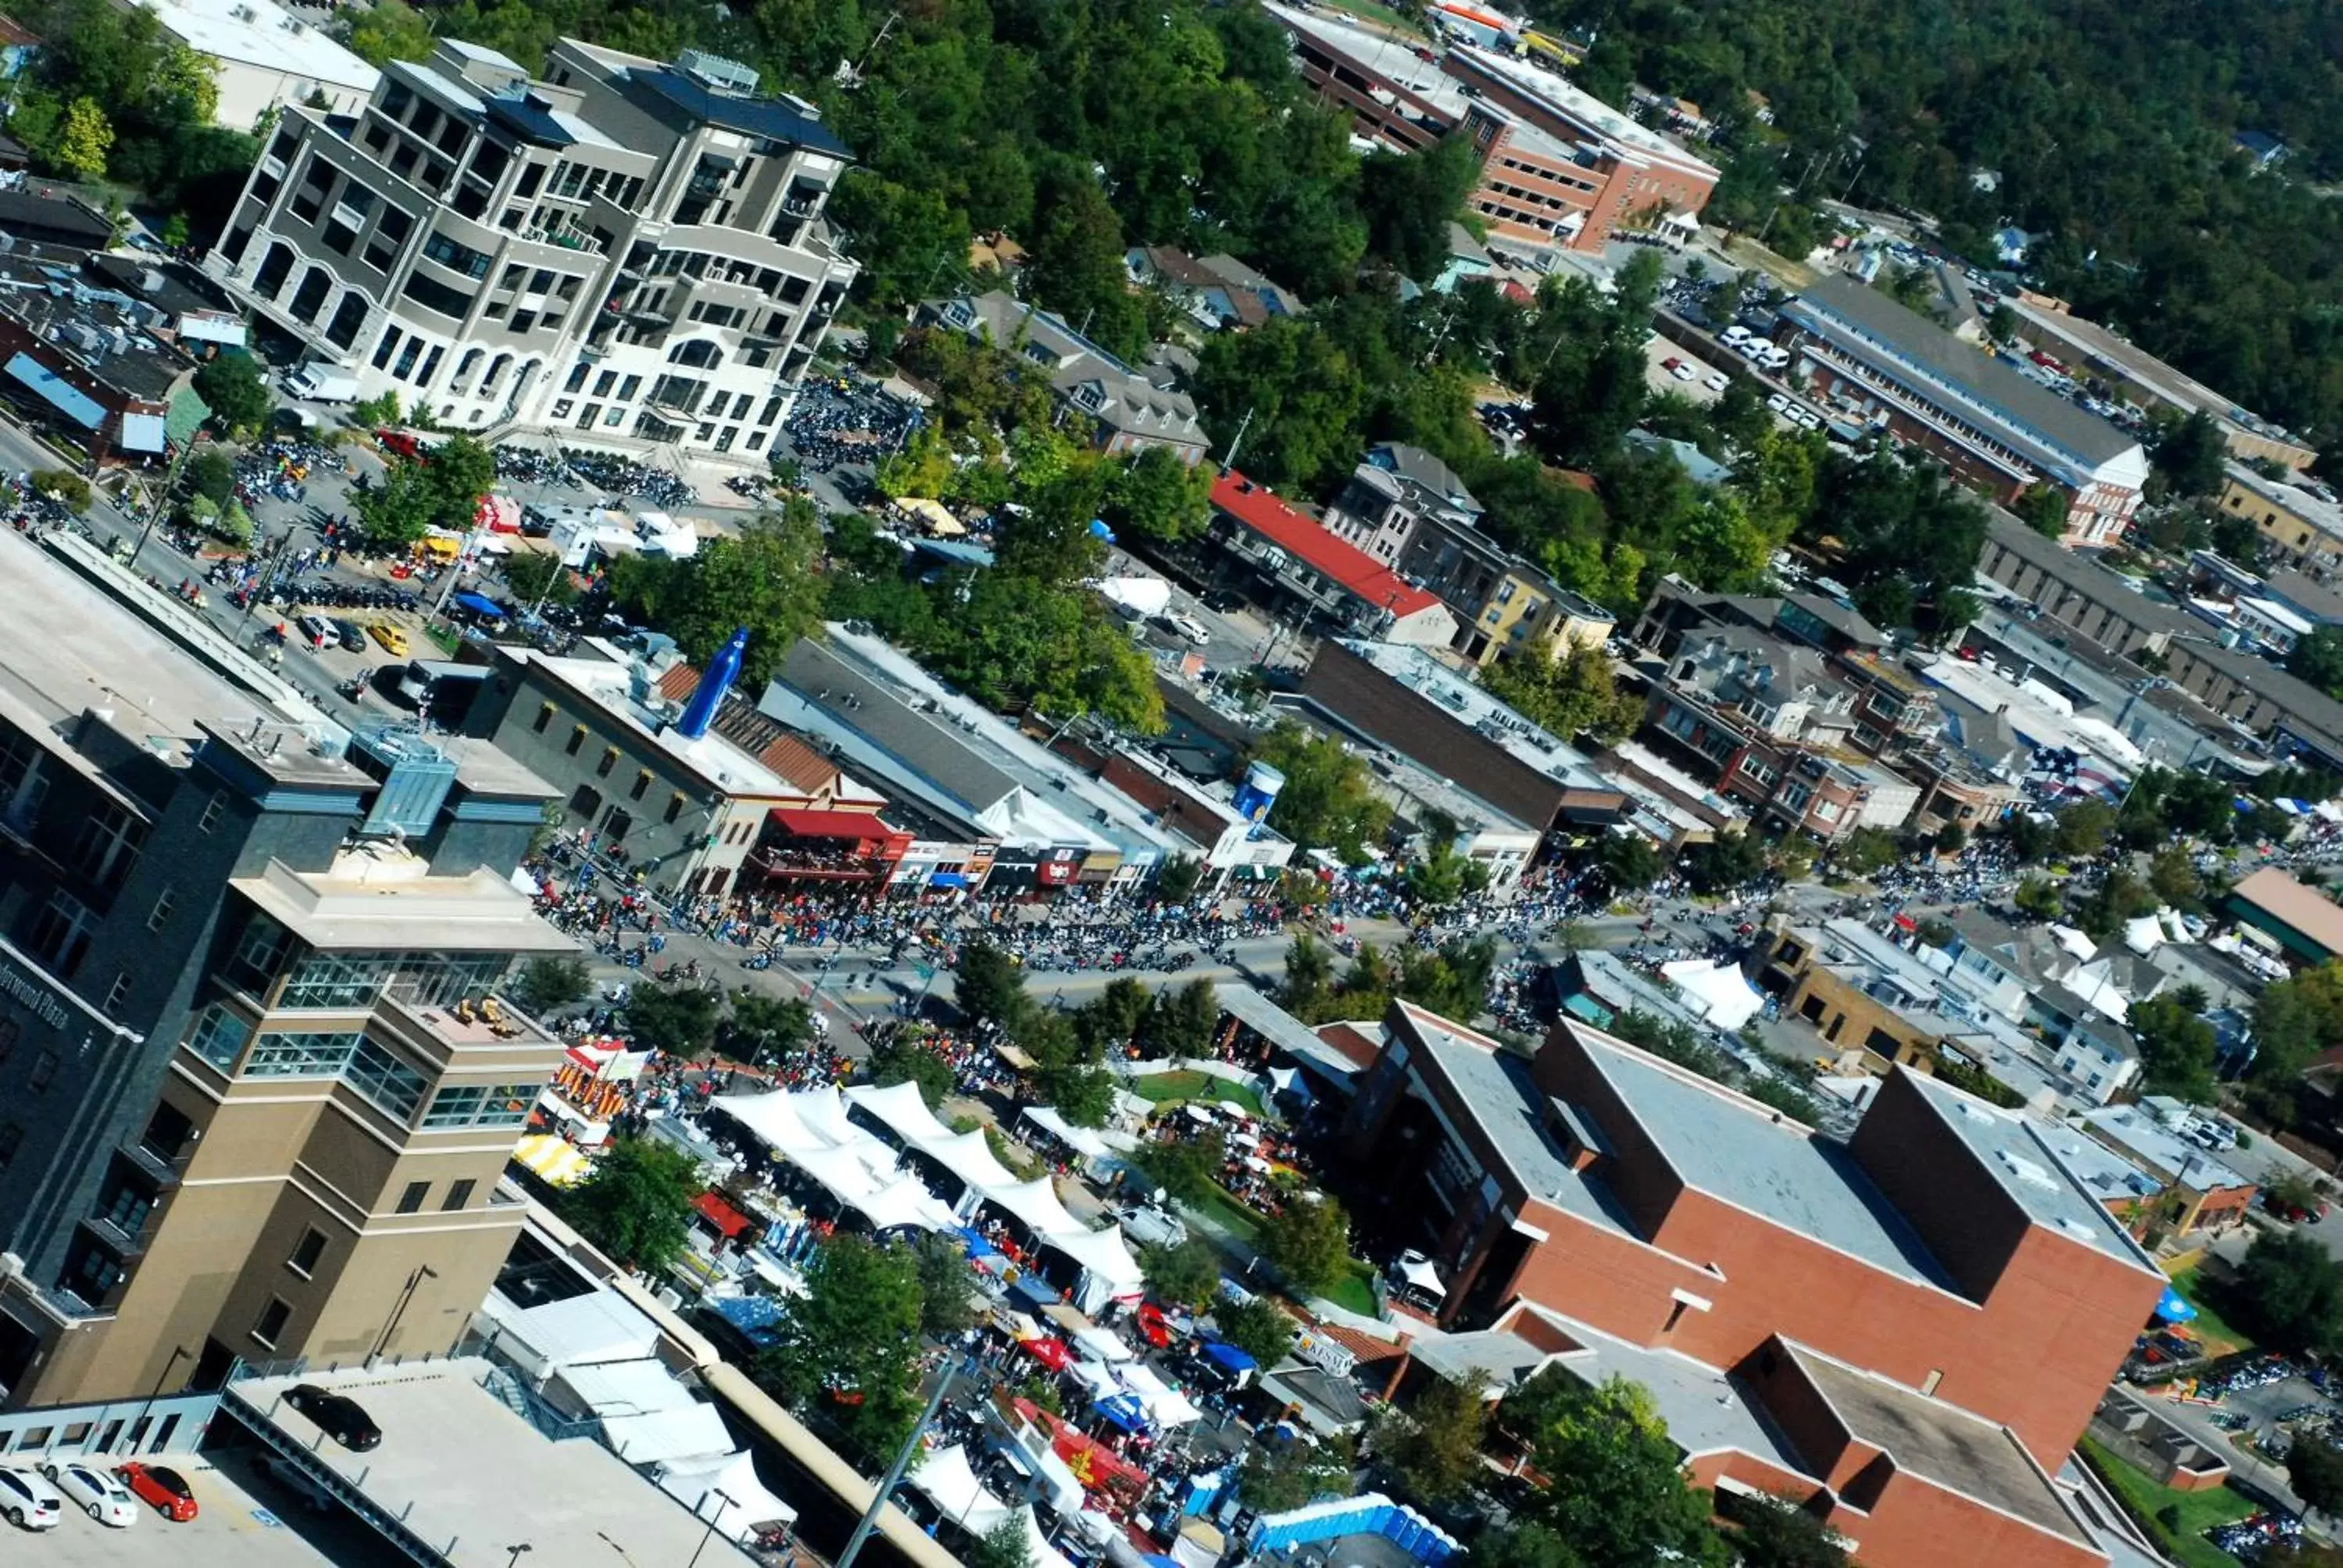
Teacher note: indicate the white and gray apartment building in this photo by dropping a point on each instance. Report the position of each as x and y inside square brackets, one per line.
[624, 251]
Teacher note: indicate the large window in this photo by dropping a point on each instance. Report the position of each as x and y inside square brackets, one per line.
[481, 1105]
[220, 1037]
[61, 933]
[383, 1079]
[456, 256]
[303, 1055]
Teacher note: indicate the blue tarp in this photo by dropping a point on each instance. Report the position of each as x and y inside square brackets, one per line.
[61, 394]
[978, 1247]
[2173, 1307]
[479, 604]
[1034, 1291]
[1228, 1357]
[1372, 1515]
[948, 879]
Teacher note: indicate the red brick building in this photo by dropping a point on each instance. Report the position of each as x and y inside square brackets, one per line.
[1905, 1330]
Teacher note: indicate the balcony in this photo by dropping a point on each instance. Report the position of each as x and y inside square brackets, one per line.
[126, 1244]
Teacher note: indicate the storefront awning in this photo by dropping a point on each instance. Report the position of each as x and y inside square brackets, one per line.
[61, 394]
[803, 822]
[142, 433]
[719, 1212]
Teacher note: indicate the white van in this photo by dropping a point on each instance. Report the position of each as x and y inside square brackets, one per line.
[1736, 335]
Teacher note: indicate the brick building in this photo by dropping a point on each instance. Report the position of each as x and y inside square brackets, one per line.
[1905, 1330]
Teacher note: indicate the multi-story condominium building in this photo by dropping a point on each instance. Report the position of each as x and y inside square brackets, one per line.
[1867, 356]
[255, 1092]
[626, 250]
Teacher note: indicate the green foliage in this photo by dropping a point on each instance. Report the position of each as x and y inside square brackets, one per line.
[548, 984]
[1775, 1533]
[1576, 694]
[947, 1303]
[1188, 1170]
[211, 473]
[1157, 497]
[1727, 862]
[679, 1020]
[1309, 1241]
[390, 30]
[1865, 851]
[1977, 1081]
[1274, 1480]
[236, 391]
[1178, 878]
[2318, 659]
[761, 1029]
[534, 578]
[1327, 801]
[2314, 1470]
[2043, 508]
[2295, 1020]
[766, 579]
[1434, 1445]
[988, 984]
[1257, 1326]
[2041, 898]
[64, 484]
[1179, 1022]
[635, 1204]
[441, 490]
[1619, 1495]
[2289, 1294]
[1904, 538]
[1629, 862]
[848, 1347]
[1188, 1274]
[902, 1059]
[1441, 877]
[2188, 456]
[1005, 1545]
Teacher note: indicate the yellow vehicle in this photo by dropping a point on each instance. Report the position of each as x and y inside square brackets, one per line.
[392, 637]
[434, 547]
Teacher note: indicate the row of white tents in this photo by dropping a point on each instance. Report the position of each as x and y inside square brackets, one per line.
[811, 1131]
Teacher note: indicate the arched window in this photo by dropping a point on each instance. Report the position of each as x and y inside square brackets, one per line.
[698, 353]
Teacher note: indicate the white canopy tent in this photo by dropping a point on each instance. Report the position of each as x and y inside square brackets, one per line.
[969, 1157]
[1080, 1139]
[1108, 1269]
[1038, 1550]
[1166, 1406]
[688, 1431]
[1099, 1343]
[698, 1486]
[1035, 1205]
[1418, 1272]
[903, 1110]
[945, 1478]
[1717, 991]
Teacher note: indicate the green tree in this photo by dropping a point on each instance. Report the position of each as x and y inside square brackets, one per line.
[1278, 1480]
[2188, 456]
[765, 579]
[389, 31]
[83, 138]
[903, 1060]
[1158, 498]
[547, 985]
[1180, 1023]
[2043, 508]
[1621, 1494]
[1576, 693]
[1178, 878]
[537, 579]
[2318, 659]
[1434, 1445]
[678, 1021]
[1409, 202]
[988, 984]
[1629, 863]
[947, 1298]
[1188, 1274]
[1005, 1545]
[1257, 1326]
[1727, 862]
[1309, 988]
[1327, 800]
[1189, 1170]
[635, 1205]
[1309, 1241]
[211, 474]
[848, 1346]
[762, 1028]
[1775, 1533]
[237, 393]
[2290, 1293]
[2296, 1019]
[2041, 898]
[1865, 851]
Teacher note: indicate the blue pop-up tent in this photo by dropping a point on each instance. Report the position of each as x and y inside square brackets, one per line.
[2173, 1307]
[1228, 1358]
[477, 604]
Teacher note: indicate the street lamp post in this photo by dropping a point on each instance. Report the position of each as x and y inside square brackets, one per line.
[514, 1561]
[414, 1283]
[178, 1354]
[727, 1500]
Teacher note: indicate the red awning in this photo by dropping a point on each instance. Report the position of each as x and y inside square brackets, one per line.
[863, 827]
[1050, 1354]
[713, 1208]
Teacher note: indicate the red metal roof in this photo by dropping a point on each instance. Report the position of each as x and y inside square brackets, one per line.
[1346, 564]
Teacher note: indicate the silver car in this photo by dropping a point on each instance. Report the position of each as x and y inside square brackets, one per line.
[97, 1492]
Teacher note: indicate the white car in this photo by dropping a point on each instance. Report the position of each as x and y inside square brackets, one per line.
[99, 1494]
[1189, 627]
[28, 1502]
[1717, 380]
[1778, 402]
[1735, 336]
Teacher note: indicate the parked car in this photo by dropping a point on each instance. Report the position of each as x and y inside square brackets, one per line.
[94, 1491]
[165, 1490]
[1678, 368]
[1717, 380]
[351, 635]
[316, 629]
[28, 1502]
[1189, 627]
[339, 1416]
[392, 637]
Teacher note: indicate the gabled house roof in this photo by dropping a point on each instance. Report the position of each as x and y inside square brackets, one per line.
[1357, 571]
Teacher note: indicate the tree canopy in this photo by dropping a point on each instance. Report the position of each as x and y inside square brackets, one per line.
[635, 1204]
[848, 1347]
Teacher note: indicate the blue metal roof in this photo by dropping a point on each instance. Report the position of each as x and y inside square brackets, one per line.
[530, 118]
[60, 394]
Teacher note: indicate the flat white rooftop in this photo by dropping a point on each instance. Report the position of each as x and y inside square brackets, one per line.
[257, 32]
[471, 1478]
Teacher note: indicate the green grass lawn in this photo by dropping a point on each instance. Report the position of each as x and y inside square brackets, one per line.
[2199, 1510]
[1232, 1216]
[1356, 1291]
[1162, 1088]
[2210, 1325]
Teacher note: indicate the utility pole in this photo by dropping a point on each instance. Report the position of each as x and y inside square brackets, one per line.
[163, 500]
[1237, 440]
[894, 1476]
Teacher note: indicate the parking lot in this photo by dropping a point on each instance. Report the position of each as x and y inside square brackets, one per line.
[234, 1528]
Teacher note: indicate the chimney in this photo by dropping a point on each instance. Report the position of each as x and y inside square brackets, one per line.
[707, 697]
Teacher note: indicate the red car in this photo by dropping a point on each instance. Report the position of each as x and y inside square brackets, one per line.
[165, 1491]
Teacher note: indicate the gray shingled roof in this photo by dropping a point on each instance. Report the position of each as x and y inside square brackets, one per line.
[1846, 303]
